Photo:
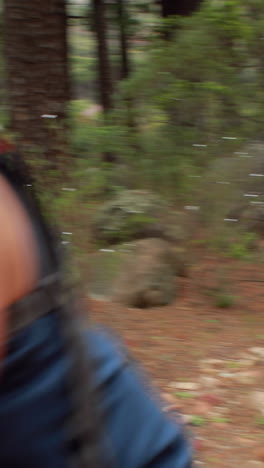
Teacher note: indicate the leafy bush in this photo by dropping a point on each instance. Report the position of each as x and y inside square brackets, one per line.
[188, 102]
[242, 249]
[260, 421]
[185, 96]
[198, 421]
[224, 300]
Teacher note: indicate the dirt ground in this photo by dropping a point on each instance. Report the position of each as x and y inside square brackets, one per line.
[207, 361]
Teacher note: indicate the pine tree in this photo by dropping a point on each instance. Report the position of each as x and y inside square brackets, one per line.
[37, 71]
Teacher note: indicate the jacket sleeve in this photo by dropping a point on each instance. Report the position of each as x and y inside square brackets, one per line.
[139, 433]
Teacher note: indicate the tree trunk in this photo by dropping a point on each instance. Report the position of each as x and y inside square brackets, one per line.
[105, 83]
[176, 7]
[125, 68]
[122, 22]
[179, 7]
[38, 84]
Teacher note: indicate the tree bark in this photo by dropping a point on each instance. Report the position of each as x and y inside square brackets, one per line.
[122, 22]
[104, 70]
[179, 7]
[38, 83]
[105, 82]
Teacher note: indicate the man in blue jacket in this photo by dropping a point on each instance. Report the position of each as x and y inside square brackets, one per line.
[69, 397]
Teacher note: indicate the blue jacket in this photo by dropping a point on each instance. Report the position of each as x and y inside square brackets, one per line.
[34, 405]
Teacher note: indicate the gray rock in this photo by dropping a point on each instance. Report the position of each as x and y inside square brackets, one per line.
[191, 386]
[258, 351]
[137, 214]
[103, 269]
[148, 266]
[246, 378]
[147, 277]
[209, 382]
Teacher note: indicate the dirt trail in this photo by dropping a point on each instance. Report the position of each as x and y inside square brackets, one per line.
[202, 360]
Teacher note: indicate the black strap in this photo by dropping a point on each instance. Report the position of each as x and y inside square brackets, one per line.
[47, 296]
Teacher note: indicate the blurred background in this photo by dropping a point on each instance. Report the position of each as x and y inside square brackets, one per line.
[142, 122]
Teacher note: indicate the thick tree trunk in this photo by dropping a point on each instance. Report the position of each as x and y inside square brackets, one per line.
[105, 83]
[179, 7]
[36, 55]
[122, 22]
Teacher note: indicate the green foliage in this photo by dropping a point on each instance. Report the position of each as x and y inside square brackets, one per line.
[242, 249]
[83, 62]
[203, 90]
[260, 421]
[224, 300]
[220, 419]
[3, 116]
[184, 395]
[182, 97]
[198, 421]
[206, 83]
[76, 107]
[238, 251]
[134, 224]
[233, 364]
[83, 69]
[222, 292]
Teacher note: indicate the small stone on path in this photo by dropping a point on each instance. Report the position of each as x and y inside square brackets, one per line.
[257, 401]
[209, 382]
[258, 351]
[247, 377]
[192, 386]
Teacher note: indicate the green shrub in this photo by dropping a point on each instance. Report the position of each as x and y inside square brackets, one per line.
[242, 249]
[184, 395]
[198, 421]
[260, 421]
[224, 300]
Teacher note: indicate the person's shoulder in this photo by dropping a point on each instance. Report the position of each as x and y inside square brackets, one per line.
[131, 411]
[106, 351]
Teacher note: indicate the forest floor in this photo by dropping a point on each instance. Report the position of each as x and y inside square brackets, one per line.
[208, 362]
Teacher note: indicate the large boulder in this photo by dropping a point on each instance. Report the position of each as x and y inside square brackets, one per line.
[103, 268]
[137, 214]
[108, 267]
[148, 275]
[252, 219]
